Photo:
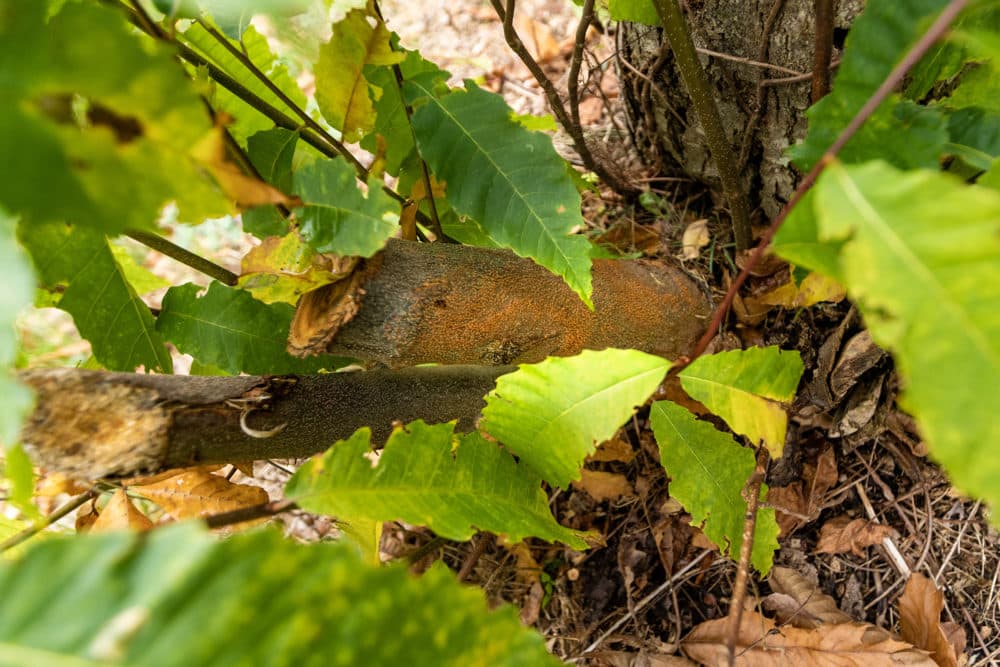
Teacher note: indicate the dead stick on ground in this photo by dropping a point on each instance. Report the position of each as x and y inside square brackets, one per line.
[641, 604]
[751, 494]
[890, 546]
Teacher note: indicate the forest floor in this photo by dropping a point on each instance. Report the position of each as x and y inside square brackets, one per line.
[865, 506]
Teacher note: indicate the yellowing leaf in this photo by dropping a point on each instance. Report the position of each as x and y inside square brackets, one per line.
[747, 388]
[919, 253]
[246, 191]
[814, 289]
[342, 91]
[196, 493]
[121, 514]
[552, 414]
[284, 268]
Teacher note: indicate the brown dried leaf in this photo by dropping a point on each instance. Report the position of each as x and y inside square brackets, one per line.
[532, 605]
[527, 570]
[695, 238]
[640, 659]
[842, 534]
[699, 540]
[768, 265]
[121, 514]
[804, 497]
[812, 607]
[604, 485]
[56, 483]
[591, 110]
[85, 517]
[759, 643]
[537, 37]
[920, 624]
[791, 498]
[322, 312]
[196, 493]
[615, 449]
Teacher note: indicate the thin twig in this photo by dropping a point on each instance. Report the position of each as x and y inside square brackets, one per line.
[751, 493]
[703, 97]
[762, 54]
[573, 81]
[822, 49]
[644, 602]
[252, 513]
[323, 141]
[245, 60]
[196, 262]
[39, 526]
[425, 173]
[747, 61]
[958, 540]
[506, 14]
[890, 546]
[932, 35]
[475, 553]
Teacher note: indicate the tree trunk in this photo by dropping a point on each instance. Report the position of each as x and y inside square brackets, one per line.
[762, 114]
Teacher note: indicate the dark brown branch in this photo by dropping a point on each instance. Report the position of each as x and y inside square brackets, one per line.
[822, 49]
[425, 173]
[573, 82]
[895, 77]
[252, 513]
[575, 132]
[441, 303]
[92, 424]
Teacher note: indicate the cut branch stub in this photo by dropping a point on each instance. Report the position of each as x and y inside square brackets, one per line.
[93, 424]
[439, 303]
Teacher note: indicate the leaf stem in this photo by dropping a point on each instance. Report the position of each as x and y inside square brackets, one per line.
[307, 120]
[703, 96]
[322, 141]
[895, 77]
[39, 526]
[196, 262]
[425, 173]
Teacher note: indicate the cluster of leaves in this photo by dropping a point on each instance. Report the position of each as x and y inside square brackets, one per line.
[91, 128]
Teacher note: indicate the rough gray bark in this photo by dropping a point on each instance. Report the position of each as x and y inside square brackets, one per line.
[666, 129]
